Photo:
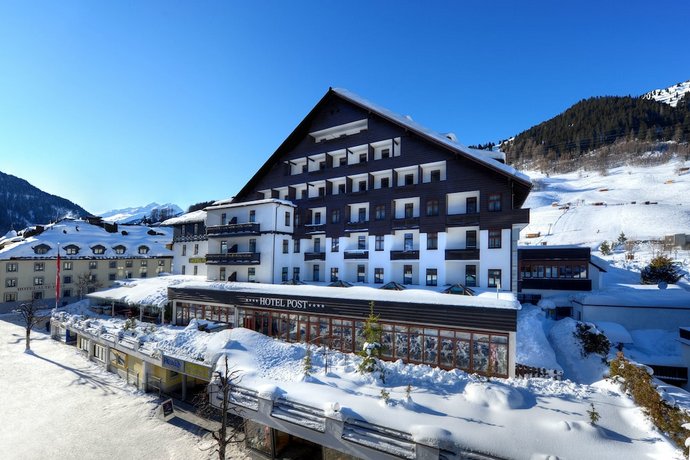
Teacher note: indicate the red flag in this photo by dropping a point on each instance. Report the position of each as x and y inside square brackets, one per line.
[57, 280]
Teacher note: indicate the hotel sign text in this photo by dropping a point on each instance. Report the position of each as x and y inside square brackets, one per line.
[275, 302]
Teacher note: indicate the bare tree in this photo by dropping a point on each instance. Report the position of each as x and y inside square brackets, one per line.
[29, 312]
[87, 282]
[231, 430]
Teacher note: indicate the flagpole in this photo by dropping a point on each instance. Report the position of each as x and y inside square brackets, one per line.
[57, 278]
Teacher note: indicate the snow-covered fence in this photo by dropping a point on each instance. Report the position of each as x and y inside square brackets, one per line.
[522, 370]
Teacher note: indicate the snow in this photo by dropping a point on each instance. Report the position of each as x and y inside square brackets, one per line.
[569, 354]
[190, 217]
[670, 95]
[55, 404]
[229, 203]
[143, 291]
[533, 348]
[615, 332]
[136, 214]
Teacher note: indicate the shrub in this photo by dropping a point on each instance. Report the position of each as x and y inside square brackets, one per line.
[592, 340]
[661, 268]
[637, 382]
[307, 366]
[605, 248]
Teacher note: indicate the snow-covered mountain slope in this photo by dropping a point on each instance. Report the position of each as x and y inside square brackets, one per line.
[587, 208]
[670, 95]
[152, 211]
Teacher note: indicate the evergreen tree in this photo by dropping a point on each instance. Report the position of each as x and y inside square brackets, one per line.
[661, 269]
[605, 248]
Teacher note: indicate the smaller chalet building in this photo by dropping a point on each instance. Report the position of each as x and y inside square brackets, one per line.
[190, 243]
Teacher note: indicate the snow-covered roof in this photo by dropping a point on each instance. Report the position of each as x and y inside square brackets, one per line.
[142, 291]
[487, 299]
[230, 204]
[638, 295]
[478, 155]
[188, 218]
[85, 235]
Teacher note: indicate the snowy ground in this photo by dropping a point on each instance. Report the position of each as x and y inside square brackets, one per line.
[56, 404]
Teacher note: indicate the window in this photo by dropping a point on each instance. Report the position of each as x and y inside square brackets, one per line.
[407, 274]
[128, 264]
[322, 191]
[67, 279]
[295, 245]
[11, 282]
[284, 274]
[385, 182]
[304, 168]
[432, 208]
[288, 219]
[196, 249]
[342, 161]
[341, 189]
[334, 274]
[66, 293]
[93, 278]
[361, 242]
[10, 296]
[380, 212]
[471, 239]
[71, 250]
[303, 194]
[409, 179]
[432, 241]
[494, 202]
[39, 266]
[298, 219]
[335, 244]
[317, 244]
[378, 243]
[317, 218]
[494, 238]
[161, 263]
[362, 215]
[37, 295]
[315, 272]
[335, 216]
[378, 275]
[409, 210]
[361, 274]
[295, 273]
[184, 270]
[252, 244]
[494, 278]
[112, 264]
[435, 175]
[431, 277]
[362, 157]
[221, 274]
[223, 219]
[119, 249]
[471, 205]
[252, 216]
[93, 265]
[409, 242]
[184, 250]
[286, 245]
[322, 165]
[143, 250]
[251, 274]
[38, 281]
[223, 247]
[144, 263]
[385, 153]
[41, 249]
[111, 276]
[11, 266]
[362, 185]
[67, 265]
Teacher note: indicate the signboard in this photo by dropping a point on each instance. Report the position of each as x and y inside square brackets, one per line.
[197, 370]
[167, 410]
[174, 364]
[197, 260]
[289, 304]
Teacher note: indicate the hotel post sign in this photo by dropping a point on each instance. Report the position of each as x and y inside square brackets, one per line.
[282, 303]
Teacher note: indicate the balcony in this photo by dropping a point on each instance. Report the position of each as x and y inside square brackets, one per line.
[558, 284]
[248, 228]
[405, 255]
[356, 254]
[314, 256]
[405, 223]
[462, 254]
[234, 258]
[462, 220]
[356, 226]
[314, 228]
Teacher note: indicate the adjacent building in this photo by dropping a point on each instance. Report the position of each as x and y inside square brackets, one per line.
[190, 243]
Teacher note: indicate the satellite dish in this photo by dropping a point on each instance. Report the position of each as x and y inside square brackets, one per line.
[663, 285]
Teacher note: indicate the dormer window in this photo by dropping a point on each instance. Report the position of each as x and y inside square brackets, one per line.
[41, 249]
[98, 249]
[143, 249]
[71, 249]
[119, 249]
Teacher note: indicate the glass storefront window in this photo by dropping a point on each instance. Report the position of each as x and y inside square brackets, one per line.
[258, 437]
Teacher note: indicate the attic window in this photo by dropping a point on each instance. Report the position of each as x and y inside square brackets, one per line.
[98, 249]
[335, 132]
[41, 249]
[143, 249]
[71, 250]
[119, 249]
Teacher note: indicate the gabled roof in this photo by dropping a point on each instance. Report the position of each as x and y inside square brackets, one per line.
[404, 122]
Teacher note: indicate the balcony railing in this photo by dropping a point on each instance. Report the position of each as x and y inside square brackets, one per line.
[405, 255]
[558, 284]
[356, 254]
[314, 256]
[462, 254]
[314, 228]
[248, 228]
[234, 258]
[407, 222]
[462, 220]
[361, 225]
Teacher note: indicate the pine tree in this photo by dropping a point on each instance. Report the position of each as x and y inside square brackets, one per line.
[605, 248]
[622, 238]
[661, 269]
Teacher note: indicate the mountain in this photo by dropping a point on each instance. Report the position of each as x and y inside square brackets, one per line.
[151, 213]
[671, 95]
[598, 123]
[23, 205]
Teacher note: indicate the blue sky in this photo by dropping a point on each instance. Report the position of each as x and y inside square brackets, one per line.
[117, 104]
